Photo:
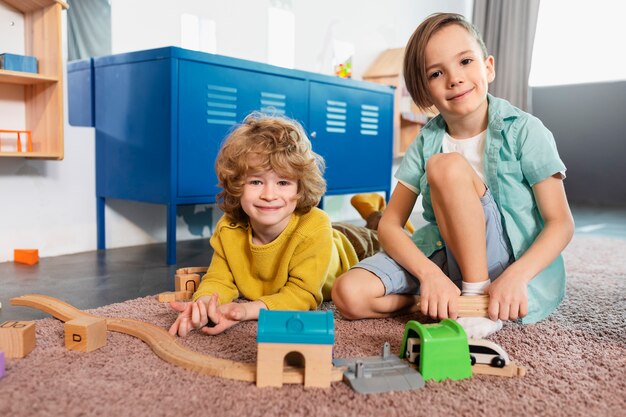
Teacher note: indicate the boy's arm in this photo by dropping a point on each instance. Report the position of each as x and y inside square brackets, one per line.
[508, 298]
[438, 295]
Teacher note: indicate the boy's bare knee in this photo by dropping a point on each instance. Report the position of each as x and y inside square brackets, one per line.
[446, 168]
[340, 294]
[345, 296]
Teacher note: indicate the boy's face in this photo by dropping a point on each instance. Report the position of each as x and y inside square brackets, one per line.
[269, 200]
[458, 75]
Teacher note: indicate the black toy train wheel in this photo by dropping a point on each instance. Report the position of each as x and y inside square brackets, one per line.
[498, 362]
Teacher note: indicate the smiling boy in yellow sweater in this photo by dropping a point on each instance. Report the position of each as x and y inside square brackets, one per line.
[273, 246]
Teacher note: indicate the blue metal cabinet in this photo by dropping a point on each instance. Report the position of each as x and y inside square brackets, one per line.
[350, 128]
[161, 116]
[215, 99]
[135, 155]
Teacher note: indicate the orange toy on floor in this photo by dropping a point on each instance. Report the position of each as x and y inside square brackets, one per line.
[26, 256]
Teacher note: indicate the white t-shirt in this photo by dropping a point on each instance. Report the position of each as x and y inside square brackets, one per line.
[473, 149]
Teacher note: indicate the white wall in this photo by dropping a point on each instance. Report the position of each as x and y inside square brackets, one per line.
[50, 205]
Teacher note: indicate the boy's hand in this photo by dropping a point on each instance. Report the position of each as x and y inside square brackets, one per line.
[207, 311]
[193, 315]
[227, 315]
[508, 297]
[438, 296]
[182, 325]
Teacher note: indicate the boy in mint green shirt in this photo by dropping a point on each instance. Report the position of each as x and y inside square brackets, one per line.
[492, 191]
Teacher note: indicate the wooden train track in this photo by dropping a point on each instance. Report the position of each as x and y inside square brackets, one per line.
[163, 344]
[511, 370]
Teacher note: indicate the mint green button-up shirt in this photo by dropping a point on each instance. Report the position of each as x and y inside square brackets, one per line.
[519, 152]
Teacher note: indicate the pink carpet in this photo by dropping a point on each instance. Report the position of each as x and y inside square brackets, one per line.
[575, 361]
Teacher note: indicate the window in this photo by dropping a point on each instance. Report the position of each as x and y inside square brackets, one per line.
[579, 42]
[88, 28]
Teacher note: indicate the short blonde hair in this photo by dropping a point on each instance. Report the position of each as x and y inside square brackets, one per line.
[415, 76]
[264, 143]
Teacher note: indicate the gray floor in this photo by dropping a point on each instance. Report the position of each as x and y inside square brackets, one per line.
[93, 279]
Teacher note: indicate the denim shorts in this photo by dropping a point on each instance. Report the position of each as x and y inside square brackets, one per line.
[398, 280]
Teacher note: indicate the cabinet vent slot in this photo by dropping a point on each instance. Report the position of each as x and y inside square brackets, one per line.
[273, 103]
[221, 105]
[369, 120]
[336, 116]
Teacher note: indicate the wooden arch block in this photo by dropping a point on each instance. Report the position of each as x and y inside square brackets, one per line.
[85, 334]
[186, 282]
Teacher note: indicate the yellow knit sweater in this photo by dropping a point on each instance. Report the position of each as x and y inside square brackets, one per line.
[296, 271]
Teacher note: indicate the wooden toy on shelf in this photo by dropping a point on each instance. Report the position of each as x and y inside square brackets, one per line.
[17, 338]
[304, 337]
[23, 139]
[85, 334]
[15, 62]
[26, 256]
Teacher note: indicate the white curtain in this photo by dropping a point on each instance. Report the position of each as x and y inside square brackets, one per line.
[88, 28]
[508, 29]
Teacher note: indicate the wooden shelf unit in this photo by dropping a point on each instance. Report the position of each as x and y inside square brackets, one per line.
[43, 92]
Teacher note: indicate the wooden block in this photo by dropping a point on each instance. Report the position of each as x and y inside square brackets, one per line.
[186, 282]
[166, 297]
[511, 370]
[85, 334]
[317, 361]
[17, 338]
[26, 256]
[472, 306]
[1, 364]
[200, 270]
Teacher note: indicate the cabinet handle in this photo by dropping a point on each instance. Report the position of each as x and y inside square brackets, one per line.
[313, 135]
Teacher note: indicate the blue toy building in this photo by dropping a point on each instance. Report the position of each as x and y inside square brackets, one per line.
[303, 338]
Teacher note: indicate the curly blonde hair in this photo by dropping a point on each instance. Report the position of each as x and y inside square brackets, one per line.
[264, 143]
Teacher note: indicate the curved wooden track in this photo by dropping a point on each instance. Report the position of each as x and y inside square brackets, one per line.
[163, 344]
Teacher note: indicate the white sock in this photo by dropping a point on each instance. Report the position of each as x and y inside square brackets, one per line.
[477, 327]
[474, 288]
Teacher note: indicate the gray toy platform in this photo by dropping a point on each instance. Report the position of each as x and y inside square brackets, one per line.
[376, 374]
